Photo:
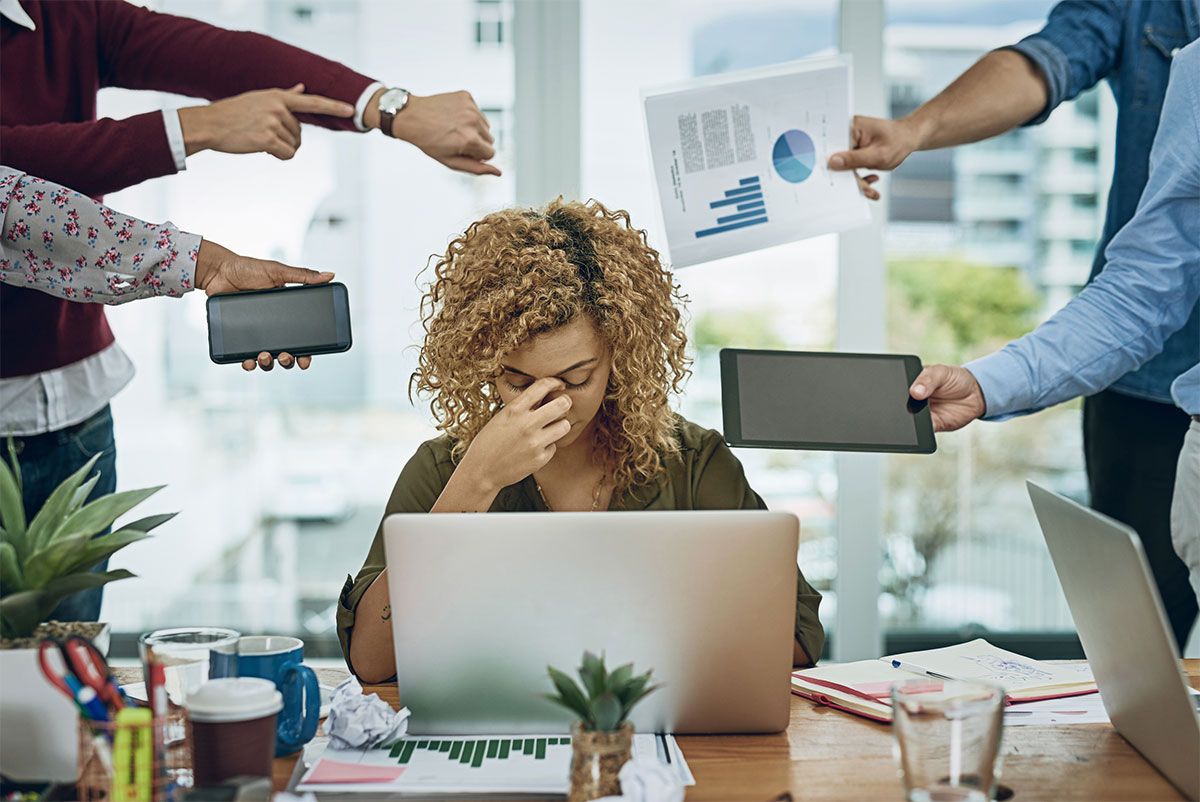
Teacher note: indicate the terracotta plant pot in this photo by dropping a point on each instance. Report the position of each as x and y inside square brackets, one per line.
[41, 725]
[596, 760]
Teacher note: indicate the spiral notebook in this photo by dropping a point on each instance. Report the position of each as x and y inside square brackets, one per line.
[864, 687]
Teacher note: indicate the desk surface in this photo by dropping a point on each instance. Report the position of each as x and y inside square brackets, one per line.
[829, 756]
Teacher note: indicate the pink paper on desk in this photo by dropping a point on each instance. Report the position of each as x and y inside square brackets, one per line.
[334, 771]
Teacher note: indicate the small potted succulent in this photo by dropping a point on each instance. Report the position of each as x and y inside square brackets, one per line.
[42, 561]
[602, 737]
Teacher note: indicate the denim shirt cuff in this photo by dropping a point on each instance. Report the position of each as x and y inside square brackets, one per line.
[1052, 63]
[1004, 383]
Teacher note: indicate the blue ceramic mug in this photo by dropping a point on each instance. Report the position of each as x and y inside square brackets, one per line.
[279, 659]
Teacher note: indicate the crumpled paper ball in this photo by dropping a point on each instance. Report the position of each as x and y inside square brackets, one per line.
[647, 781]
[358, 721]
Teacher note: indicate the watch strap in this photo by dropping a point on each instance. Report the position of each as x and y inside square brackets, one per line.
[386, 118]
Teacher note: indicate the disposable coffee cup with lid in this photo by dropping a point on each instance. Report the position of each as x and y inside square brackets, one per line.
[232, 699]
[233, 728]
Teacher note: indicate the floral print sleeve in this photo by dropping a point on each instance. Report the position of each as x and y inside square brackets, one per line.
[68, 245]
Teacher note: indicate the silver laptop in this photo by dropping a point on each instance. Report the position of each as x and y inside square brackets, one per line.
[483, 603]
[1124, 632]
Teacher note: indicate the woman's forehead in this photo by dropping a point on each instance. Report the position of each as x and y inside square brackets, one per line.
[557, 349]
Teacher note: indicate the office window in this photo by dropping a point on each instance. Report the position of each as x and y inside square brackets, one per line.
[282, 477]
[778, 298]
[491, 22]
[961, 545]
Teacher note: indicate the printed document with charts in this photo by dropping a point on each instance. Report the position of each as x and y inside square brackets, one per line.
[864, 687]
[482, 764]
[740, 158]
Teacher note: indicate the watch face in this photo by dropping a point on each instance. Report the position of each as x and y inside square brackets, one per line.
[393, 100]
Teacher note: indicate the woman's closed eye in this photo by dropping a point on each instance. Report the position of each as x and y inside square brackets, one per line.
[518, 384]
[577, 385]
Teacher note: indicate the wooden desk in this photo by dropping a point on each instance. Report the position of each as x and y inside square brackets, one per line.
[829, 756]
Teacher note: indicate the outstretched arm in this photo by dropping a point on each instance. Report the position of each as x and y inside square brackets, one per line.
[148, 50]
[1022, 84]
[65, 244]
[1146, 292]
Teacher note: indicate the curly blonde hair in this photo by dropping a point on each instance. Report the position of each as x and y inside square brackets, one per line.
[519, 273]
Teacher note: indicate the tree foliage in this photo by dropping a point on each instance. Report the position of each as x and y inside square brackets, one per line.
[950, 309]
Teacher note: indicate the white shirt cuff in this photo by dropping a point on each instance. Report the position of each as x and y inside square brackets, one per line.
[360, 108]
[175, 138]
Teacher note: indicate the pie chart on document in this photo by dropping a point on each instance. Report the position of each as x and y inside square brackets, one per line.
[794, 156]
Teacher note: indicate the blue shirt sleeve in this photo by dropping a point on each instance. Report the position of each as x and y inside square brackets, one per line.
[1145, 292]
[1077, 48]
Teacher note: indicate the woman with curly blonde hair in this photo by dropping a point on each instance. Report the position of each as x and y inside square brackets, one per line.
[553, 342]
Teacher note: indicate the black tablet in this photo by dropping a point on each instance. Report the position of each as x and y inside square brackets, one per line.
[823, 401]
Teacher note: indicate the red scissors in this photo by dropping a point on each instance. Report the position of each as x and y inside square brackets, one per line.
[83, 676]
[92, 670]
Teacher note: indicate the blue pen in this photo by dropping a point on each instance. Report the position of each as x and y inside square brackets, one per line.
[918, 670]
[87, 699]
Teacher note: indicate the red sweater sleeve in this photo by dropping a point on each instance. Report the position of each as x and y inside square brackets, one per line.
[143, 49]
[93, 157]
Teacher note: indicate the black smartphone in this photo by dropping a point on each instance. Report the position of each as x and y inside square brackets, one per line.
[305, 320]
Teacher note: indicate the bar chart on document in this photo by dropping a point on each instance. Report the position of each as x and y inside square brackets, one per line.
[466, 764]
[739, 159]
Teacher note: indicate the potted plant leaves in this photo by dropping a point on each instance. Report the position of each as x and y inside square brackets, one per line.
[602, 737]
[44, 559]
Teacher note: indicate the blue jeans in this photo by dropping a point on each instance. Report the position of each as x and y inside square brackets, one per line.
[46, 460]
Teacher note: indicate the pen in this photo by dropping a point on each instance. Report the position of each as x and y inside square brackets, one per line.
[918, 670]
[89, 702]
[156, 689]
[156, 695]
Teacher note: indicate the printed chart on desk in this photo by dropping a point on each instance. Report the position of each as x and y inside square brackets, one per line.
[739, 159]
[464, 764]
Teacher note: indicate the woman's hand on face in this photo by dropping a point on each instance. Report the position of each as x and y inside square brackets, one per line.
[521, 437]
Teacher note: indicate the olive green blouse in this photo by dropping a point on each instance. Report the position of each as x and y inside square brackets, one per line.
[703, 475]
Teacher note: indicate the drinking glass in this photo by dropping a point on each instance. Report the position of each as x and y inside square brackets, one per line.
[947, 739]
[190, 656]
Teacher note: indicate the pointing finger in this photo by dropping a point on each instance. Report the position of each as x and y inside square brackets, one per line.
[473, 166]
[317, 104]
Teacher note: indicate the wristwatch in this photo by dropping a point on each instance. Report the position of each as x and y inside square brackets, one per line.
[391, 103]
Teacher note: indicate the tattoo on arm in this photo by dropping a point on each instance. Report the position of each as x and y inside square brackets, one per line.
[387, 612]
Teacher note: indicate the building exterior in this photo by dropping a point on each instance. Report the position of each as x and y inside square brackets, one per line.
[1033, 198]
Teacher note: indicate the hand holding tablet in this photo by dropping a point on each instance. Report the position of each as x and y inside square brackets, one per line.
[823, 401]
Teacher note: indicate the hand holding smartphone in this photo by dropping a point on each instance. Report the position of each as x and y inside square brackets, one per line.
[310, 319]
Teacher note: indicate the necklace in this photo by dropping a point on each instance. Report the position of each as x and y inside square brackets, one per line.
[595, 494]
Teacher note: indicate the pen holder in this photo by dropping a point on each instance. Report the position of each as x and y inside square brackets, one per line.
[170, 772]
